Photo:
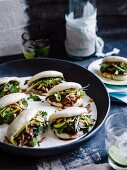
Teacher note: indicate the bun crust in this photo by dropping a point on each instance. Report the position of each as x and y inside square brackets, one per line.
[69, 137]
[68, 112]
[45, 74]
[115, 77]
[11, 98]
[64, 86]
[21, 120]
[7, 79]
[119, 77]
[114, 59]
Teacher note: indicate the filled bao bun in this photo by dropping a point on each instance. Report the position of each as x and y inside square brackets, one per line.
[11, 98]
[43, 81]
[11, 106]
[27, 128]
[70, 123]
[9, 85]
[114, 67]
[20, 121]
[7, 79]
[45, 74]
[65, 94]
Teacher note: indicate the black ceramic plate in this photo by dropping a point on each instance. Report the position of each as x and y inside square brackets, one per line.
[72, 72]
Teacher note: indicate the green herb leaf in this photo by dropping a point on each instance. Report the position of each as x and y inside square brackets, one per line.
[1, 94]
[13, 86]
[33, 142]
[46, 81]
[43, 113]
[24, 102]
[1, 87]
[104, 67]
[26, 81]
[34, 97]
[120, 69]
[8, 117]
[59, 130]
[37, 129]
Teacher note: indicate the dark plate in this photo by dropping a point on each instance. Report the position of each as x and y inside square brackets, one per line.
[72, 72]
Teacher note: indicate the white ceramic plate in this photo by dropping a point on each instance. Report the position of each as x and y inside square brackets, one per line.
[94, 67]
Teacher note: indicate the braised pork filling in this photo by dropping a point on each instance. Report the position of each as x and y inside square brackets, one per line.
[72, 125]
[8, 113]
[29, 134]
[67, 97]
[116, 68]
[42, 86]
[10, 87]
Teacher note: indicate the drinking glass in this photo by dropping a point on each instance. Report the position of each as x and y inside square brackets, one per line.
[33, 48]
[116, 140]
[28, 49]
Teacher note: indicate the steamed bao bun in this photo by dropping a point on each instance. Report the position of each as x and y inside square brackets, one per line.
[11, 106]
[65, 94]
[27, 128]
[70, 123]
[9, 85]
[44, 81]
[114, 67]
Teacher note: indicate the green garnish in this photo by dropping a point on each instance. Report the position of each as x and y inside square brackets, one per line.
[10, 87]
[26, 81]
[14, 86]
[8, 113]
[38, 125]
[104, 67]
[34, 97]
[58, 96]
[115, 68]
[46, 81]
[24, 102]
[72, 125]
[43, 114]
[6, 117]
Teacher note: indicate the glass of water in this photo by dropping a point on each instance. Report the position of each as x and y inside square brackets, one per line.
[34, 48]
[116, 140]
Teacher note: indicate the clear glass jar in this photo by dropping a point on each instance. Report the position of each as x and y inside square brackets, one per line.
[81, 28]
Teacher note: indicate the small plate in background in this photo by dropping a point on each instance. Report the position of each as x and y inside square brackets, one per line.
[94, 67]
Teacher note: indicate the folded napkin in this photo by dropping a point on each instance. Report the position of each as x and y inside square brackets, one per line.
[117, 93]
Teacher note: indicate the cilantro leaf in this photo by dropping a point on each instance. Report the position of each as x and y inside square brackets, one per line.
[7, 118]
[104, 67]
[24, 102]
[26, 81]
[14, 86]
[34, 97]
[43, 113]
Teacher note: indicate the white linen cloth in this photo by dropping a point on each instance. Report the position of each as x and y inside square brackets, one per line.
[13, 19]
[81, 32]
